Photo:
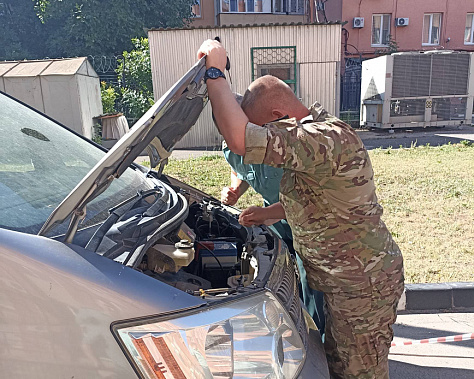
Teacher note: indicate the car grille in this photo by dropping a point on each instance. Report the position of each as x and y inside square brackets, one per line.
[284, 284]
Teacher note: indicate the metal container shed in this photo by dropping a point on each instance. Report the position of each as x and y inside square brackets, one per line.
[418, 89]
[67, 90]
[308, 53]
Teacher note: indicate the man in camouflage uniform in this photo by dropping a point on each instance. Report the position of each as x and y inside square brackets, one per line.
[328, 193]
[265, 180]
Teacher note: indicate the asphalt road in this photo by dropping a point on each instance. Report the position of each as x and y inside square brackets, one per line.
[418, 137]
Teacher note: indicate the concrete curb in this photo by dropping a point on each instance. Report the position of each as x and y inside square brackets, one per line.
[447, 296]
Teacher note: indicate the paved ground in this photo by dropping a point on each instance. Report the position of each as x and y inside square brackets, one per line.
[432, 361]
[407, 138]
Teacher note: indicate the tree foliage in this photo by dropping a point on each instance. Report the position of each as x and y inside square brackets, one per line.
[32, 29]
[19, 30]
[134, 75]
[134, 94]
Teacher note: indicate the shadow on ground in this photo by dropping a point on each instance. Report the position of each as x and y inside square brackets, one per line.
[406, 370]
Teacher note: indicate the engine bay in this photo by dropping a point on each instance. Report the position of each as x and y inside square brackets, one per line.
[193, 243]
[214, 255]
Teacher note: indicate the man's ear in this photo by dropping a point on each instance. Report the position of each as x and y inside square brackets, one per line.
[276, 113]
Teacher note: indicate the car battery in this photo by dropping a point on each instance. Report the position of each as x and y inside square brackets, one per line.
[210, 253]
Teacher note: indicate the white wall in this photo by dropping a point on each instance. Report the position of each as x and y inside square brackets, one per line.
[60, 94]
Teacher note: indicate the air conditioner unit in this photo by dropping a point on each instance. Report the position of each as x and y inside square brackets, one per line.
[401, 21]
[413, 89]
[358, 22]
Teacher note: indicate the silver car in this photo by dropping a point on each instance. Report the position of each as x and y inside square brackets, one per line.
[112, 270]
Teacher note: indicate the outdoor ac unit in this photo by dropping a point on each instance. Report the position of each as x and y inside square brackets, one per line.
[358, 22]
[401, 21]
[417, 90]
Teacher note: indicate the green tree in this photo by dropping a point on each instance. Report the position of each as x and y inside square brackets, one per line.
[105, 27]
[134, 75]
[35, 29]
[20, 30]
[134, 94]
[109, 97]
[392, 47]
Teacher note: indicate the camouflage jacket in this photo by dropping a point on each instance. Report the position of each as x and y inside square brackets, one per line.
[328, 193]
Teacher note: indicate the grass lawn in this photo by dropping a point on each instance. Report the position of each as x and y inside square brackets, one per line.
[428, 199]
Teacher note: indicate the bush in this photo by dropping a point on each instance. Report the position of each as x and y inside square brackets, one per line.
[108, 96]
[133, 95]
[134, 75]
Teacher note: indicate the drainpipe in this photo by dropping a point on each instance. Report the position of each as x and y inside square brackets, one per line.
[311, 11]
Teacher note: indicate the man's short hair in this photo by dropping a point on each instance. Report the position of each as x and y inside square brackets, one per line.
[266, 91]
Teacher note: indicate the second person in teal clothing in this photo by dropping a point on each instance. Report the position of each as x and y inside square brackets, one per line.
[265, 180]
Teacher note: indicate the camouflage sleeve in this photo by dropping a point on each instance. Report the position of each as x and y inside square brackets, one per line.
[285, 144]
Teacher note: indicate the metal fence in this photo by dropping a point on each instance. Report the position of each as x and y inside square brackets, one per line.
[106, 67]
[350, 92]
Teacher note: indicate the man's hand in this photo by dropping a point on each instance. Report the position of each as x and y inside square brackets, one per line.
[252, 216]
[230, 195]
[258, 215]
[215, 53]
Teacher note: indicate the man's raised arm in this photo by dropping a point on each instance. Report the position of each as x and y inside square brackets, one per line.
[228, 114]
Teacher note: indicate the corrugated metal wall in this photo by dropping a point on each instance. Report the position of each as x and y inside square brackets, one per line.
[173, 52]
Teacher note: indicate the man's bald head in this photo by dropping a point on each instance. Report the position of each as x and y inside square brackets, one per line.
[269, 98]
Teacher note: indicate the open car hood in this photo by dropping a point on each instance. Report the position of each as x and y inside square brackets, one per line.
[157, 131]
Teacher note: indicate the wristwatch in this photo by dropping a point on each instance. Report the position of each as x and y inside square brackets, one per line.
[213, 73]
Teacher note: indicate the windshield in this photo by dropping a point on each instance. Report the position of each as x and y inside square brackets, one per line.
[40, 163]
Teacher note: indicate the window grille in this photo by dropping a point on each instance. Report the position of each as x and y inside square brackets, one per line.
[245, 6]
[278, 61]
[288, 6]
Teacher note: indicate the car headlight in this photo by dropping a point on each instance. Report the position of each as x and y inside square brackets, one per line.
[249, 338]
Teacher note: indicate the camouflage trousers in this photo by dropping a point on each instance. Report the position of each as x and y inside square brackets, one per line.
[359, 327]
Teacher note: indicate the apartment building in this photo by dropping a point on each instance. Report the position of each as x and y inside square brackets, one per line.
[374, 26]
[371, 28]
[235, 12]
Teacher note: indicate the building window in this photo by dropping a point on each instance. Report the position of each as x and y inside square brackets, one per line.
[196, 9]
[276, 61]
[288, 6]
[431, 28]
[469, 34]
[380, 29]
[246, 6]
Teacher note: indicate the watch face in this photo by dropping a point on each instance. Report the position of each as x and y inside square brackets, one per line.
[213, 73]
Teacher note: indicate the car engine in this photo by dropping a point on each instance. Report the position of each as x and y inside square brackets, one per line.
[190, 242]
[214, 254]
